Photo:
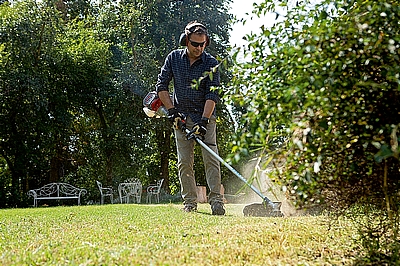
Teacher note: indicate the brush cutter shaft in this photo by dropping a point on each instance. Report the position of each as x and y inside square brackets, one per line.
[233, 170]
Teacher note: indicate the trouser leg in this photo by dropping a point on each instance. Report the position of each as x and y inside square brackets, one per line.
[211, 164]
[185, 151]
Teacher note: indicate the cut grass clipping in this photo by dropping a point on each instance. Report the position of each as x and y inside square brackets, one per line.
[131, 234]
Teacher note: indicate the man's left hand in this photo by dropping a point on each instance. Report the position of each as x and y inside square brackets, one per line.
[200, 128]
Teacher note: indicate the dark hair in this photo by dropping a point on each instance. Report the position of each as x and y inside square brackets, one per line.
[195, 27]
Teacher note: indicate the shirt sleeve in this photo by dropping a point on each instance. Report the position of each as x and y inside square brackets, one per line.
[165, 75]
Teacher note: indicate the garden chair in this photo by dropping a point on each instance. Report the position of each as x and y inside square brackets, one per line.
[130, 188]
[105, 192]
[154, 190]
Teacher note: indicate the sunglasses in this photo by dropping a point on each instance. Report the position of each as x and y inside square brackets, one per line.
[197, 44]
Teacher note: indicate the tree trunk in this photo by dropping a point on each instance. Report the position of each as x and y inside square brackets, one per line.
[109, 168]
[164, 142]
[18, 182]
[56, 165]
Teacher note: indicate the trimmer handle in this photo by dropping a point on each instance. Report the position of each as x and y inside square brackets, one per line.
[182, 125]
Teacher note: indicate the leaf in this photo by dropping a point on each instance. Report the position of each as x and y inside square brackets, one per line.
[384, 153]
[323, 15]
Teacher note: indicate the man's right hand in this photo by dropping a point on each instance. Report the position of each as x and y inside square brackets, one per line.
[176, 117]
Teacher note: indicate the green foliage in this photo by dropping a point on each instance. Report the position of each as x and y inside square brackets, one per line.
[73, 75]
[5, 182]
[320, 94]
[331, 81]
[62, 92]
[27, 129]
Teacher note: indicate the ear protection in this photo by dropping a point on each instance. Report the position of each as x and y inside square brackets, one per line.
[189, 30]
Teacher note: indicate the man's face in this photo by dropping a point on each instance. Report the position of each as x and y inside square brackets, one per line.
[196, 40]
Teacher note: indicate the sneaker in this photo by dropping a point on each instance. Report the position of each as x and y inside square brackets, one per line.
[217, 208]
[189, 208]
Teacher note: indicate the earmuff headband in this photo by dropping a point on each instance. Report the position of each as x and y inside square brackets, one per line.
[189, 30]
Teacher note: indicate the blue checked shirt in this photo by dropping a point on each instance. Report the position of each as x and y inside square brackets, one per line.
[188, 100]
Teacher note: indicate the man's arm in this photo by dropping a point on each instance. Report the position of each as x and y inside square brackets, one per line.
[166, 99]
[163, 80]
[208, 108]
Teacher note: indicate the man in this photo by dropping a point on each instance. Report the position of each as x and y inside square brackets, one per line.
[195, 106]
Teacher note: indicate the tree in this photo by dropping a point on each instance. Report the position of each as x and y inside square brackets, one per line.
[57, 76]
[73, 77]
[322, 96]
[28, 130]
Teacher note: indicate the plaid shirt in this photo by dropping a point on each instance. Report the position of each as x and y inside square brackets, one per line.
[188, 100]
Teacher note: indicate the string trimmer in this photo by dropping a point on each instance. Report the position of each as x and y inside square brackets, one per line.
[153, 107]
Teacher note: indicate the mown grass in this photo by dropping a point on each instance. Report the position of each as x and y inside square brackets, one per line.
[131, 234]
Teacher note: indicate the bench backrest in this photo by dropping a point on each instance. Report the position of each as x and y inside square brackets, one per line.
[58, 190]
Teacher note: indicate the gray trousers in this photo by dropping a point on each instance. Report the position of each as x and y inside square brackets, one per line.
[185, 150]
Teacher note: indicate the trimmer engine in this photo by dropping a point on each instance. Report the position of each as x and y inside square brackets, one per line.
[153, 106]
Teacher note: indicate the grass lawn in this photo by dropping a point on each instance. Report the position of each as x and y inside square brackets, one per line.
[132, 234]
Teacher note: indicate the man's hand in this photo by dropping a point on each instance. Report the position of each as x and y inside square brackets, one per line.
[175, 117]
[201, 128]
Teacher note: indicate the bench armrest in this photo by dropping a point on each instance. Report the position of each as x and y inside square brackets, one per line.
[32, 193]
[82, 192]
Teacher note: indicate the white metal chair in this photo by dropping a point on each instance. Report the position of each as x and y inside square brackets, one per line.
[137, 191]
[130, 188]
[154, 190]
[105, 192]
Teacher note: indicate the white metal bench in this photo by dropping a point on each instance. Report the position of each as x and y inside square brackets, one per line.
[56, 191]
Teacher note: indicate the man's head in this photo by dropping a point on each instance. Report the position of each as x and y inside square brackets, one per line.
[195, 38]
[194, 28]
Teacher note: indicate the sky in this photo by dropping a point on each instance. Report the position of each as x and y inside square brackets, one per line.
[253, 24]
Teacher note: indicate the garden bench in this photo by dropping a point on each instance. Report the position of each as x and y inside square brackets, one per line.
[56, 191]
